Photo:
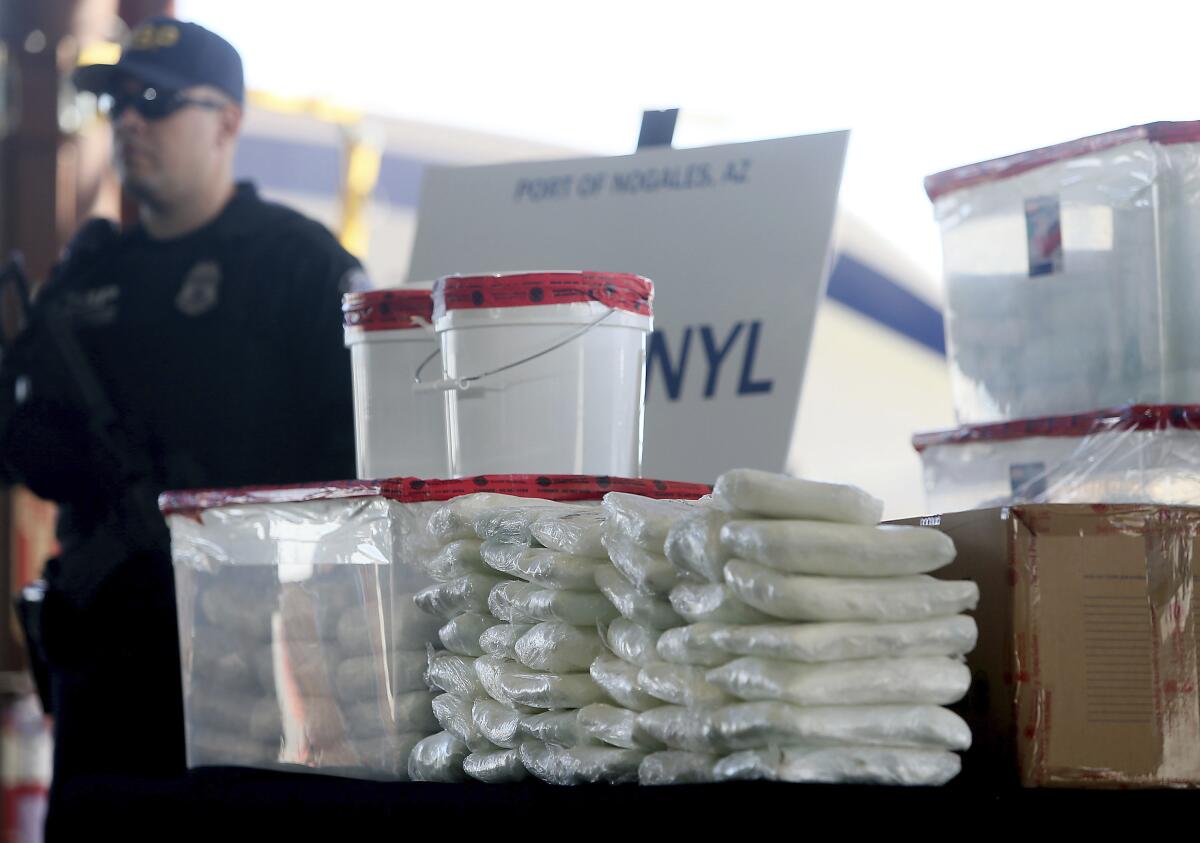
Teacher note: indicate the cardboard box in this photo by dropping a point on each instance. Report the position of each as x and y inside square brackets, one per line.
[1086, 666]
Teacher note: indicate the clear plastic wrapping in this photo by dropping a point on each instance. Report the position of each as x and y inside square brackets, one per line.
[645, 521]
[673, 766]
[841, 765]
[653, 612]
[558, 728]
[458, 559]
[456, 518]
[498, 723]
[511, 523]
[680, 684]
[614, 726]
[547, 568]
[838, 550]
[632, 643]
[438, 758]
[557, 647]
[579, 532]
[694, 544]
[1138, 454]
[580, 608]
[831, 642]
[454, 674]
[761, 493]
[581, 764]
[619, 679]
[507, 596]
[650, 572]
[457, 597]
[461, 634]
[503, 767]
[454, 717]
[693, 644]
[713, 603]
[803, 598]
[512, 683]
[755, 725]
[501, 639]
[934, 680]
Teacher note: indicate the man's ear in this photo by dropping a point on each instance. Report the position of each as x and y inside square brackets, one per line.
[231, 122]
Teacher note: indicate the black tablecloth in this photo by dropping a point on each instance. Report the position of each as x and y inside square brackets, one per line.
[227, 804]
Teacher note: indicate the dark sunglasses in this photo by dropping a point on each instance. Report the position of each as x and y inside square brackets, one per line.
[152, 103]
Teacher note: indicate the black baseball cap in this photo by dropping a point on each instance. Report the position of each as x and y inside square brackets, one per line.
[170, 54]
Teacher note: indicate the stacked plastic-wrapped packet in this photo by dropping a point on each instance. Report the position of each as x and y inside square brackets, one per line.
[639, 580]
[524, 621]
[817, 647]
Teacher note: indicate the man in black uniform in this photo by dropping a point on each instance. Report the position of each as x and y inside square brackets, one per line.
[214, 327]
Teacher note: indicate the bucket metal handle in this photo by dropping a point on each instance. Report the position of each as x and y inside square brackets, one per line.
[464, 383]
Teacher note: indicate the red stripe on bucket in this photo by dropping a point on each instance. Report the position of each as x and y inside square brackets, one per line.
[553, 487]
[632, 293]
[387, 310]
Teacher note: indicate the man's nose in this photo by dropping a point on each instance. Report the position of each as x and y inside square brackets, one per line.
[129, 121]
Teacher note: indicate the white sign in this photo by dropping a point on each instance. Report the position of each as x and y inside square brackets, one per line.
[736, 239]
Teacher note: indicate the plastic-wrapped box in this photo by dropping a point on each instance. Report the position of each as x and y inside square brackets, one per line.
[301, 645]
[1071, 275]
[1137, 454]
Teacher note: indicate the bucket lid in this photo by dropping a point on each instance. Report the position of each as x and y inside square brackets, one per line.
[387, 310]
[554, 487]
[958, 178]
[532, 289]
[1132, 417]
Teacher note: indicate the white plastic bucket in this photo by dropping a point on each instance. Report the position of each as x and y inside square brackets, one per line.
[544, 372]
[397, 430]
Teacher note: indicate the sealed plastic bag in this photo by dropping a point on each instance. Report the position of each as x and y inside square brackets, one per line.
[747, 490]
[829, 642]
[839, 550]
[579, 531]
[648, 571]
[547, 568]
[653, 612]
[501, 639]
[693, 644]
[558, 647]
[456, 518]
[454, 674]
[453, 714]
[438, 758]
[410, 712]
[461, 634]
[673, 766]
[510, 682]
[619, 679]
[841, 765]
[934, 680]
[365, 677]
[581, 764]
[504, 599]
[803, 598]
[460, 558]
[631, 642]
[412, 629]
[456, 597]
[495, 767]
[755, 725]
[645, 521]
[614, 726]
[694, 544]
[713, 603]
[680, 684]
[559, 728]
[497, 722]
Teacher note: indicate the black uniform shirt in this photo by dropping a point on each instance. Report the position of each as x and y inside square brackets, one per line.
[222, 350]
